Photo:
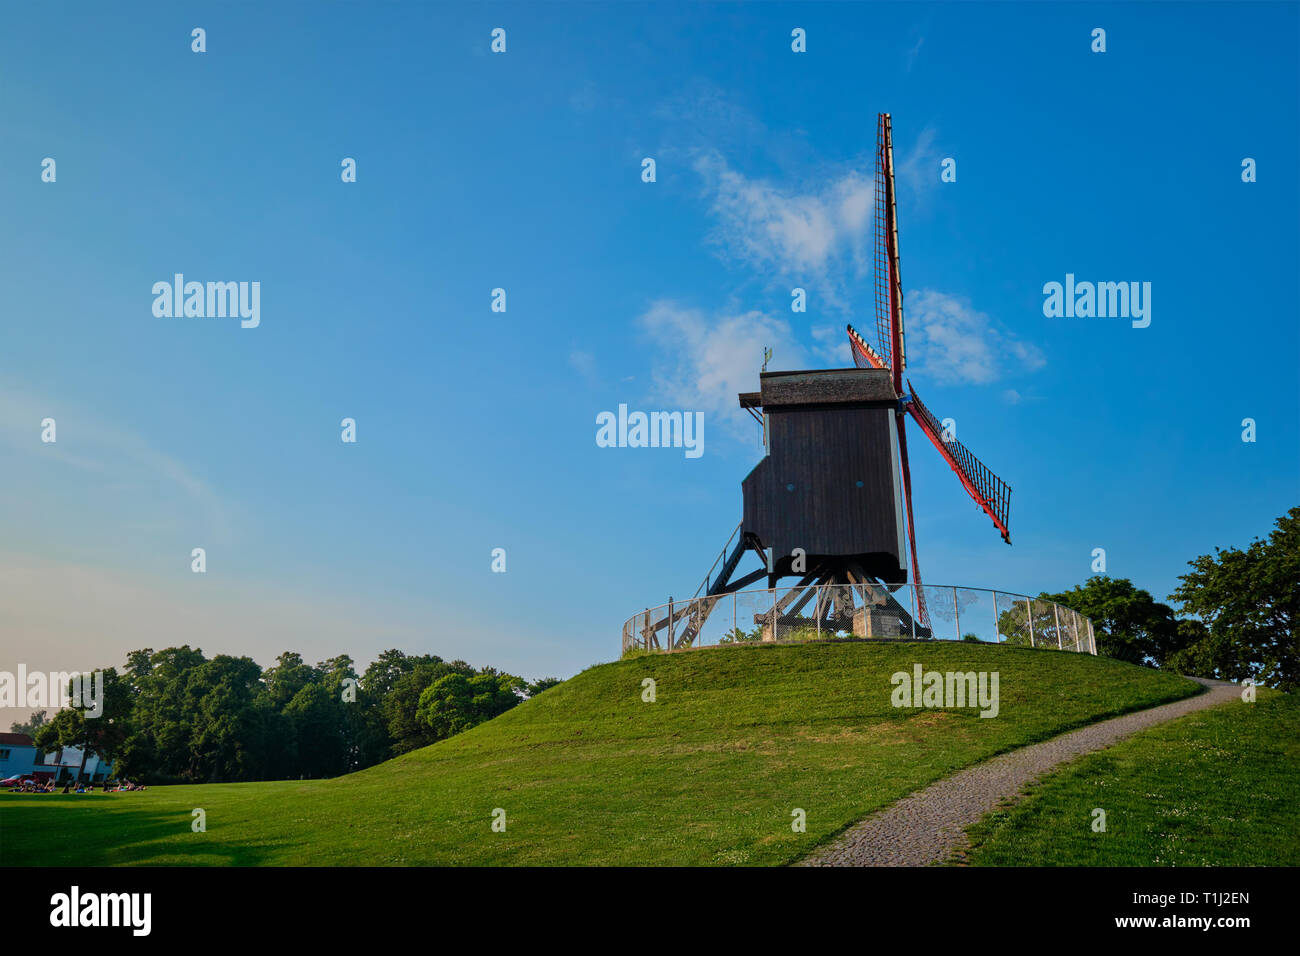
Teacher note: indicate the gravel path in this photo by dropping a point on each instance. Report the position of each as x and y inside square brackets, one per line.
[928, 826]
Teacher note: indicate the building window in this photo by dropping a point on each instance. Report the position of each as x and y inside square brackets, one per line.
[4, 753]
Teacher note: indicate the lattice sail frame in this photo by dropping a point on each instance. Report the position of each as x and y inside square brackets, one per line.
[864, 356]
[883, 354]
[888, 282]
[988, 490]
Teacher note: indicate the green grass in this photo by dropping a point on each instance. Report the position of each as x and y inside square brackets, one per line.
[1214, 788]
[589, 774]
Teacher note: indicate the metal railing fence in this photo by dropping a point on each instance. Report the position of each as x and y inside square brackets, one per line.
[858, 611]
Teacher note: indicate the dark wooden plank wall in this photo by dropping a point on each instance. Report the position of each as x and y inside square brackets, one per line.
[823, 452]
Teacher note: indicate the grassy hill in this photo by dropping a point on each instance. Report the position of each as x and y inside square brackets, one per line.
[588, 773]
[1214, 788]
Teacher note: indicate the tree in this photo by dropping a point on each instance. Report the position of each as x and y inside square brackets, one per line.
[541, 684]
[1203, 654]
[1249, 605]
[226, 739]
[317, 721]
[384, 671]
[75, 726]
[457, 702]
[33, 724]
[158, 747]
[361, 729]
[1127, 622]
[176, 716]
[401, 705]
[287, 677]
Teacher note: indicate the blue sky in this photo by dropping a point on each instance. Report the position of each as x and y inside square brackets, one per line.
[521, 170]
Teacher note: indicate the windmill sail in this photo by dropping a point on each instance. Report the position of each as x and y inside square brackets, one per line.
[884, 262]
[988, 490]
[889, 283]
[864, 356]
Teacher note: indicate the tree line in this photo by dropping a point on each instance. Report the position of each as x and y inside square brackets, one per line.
[1236, 613]
[176, 716]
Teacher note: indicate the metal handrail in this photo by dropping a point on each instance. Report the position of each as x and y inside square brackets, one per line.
[721, 558]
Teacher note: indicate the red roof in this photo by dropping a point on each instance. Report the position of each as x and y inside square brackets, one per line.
[17, 740]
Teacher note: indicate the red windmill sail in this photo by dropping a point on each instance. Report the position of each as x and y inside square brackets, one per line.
[989, 491]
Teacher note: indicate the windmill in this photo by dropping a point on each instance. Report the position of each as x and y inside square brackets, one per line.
[826, 504]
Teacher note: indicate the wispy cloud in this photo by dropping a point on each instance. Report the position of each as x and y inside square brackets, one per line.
[918, 169]
[950, 342]
[808, 225]
[813, 237]
[913, 53]
[585, 98]
[703, 361]
[135, 475]
[831, 345]
[584, 363]
[703, 115]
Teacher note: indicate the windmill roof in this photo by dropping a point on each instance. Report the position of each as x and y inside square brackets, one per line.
[835, 386]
